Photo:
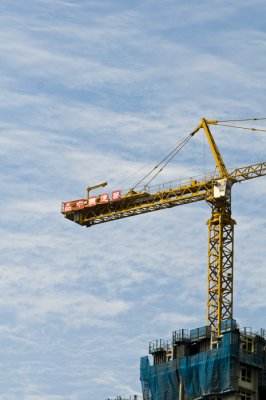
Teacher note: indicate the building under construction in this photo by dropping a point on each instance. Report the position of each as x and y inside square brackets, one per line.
[218, 361]
[193, 366]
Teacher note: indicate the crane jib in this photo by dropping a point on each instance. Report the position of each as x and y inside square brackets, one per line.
[214, 188]
[113, 205]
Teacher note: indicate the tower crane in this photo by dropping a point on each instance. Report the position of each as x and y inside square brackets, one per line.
[214, 189]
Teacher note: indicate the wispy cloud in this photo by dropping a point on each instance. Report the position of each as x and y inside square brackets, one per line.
[101, 91]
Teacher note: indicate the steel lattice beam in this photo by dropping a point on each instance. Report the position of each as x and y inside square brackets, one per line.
[220, 265]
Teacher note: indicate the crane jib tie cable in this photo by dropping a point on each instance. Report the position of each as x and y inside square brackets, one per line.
[165, 161]
[241, 127]
[168, 161]
[238, 120]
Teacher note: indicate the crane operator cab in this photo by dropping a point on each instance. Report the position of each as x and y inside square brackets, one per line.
[222, 188]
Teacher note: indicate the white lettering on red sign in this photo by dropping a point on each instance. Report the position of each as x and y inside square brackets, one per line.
[104, 198]
[92, 201]
[67, 207]
[79, 204]
[116, 195]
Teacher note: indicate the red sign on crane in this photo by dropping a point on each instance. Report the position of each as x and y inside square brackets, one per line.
[104, 198]
[74, 205]
[67, 207]
[92, 201]
[79, 204]
[116, 195]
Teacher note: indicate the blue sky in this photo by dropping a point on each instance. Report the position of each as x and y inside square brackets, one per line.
[93, 91]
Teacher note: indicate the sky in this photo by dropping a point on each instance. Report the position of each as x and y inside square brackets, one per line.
[94, 91]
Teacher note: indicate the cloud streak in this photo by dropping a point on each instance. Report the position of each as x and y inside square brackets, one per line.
[101, 91]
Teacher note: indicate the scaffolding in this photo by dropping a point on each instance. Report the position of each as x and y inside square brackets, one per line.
[204, 369]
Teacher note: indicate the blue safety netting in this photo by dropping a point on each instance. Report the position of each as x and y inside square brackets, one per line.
[205, 373]
[212, 371]
[159, 382]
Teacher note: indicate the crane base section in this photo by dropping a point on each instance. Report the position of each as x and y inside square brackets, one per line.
[193, 366]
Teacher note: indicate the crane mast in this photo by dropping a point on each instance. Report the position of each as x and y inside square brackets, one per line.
[215, 189]
[220, 263]
[220, 245]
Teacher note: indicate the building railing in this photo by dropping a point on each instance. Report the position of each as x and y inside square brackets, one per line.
[200, 333]
[180, 335]
[159, 345]
[263, 333]
[131, 397]
[228, 325]
[254, 359]
[247, 331]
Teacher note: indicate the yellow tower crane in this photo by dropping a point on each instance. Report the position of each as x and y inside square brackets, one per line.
[215, 189]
